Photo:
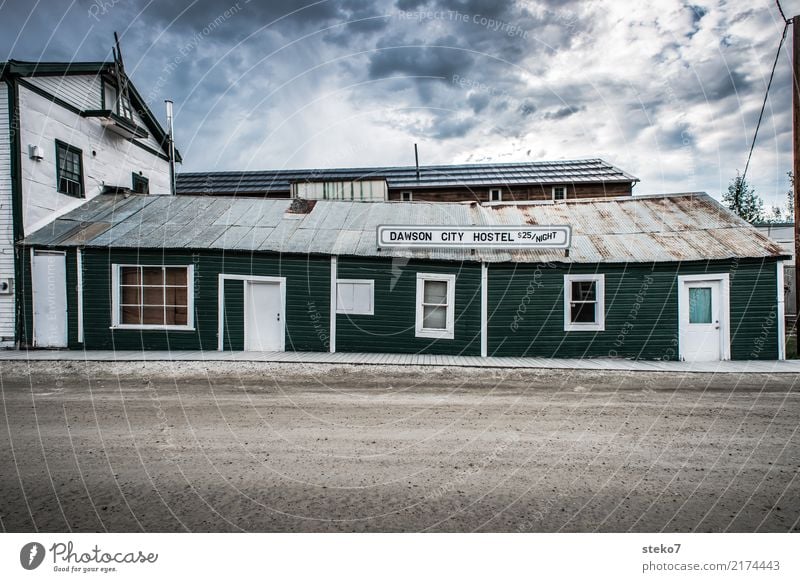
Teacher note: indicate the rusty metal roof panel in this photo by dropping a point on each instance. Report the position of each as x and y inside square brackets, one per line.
[252, 239]
[230, 237]
[679, 227]
[86, 232]
[236, 208]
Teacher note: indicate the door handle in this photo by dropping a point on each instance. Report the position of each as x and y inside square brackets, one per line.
[279, 317]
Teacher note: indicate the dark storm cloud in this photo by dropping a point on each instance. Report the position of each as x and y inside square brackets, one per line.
[646, 73]
[451, 127]
[563, 112]
[195, 16]
[441, 58]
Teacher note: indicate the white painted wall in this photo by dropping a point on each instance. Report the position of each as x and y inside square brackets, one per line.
[85, 93]
[115, 158]
[340, 190]
[6, 223]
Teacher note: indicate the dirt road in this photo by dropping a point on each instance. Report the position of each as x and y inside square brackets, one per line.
[254, 447]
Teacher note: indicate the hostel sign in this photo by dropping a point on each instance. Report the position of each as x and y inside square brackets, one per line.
[471, 237]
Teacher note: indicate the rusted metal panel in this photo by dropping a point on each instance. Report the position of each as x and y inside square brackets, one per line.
[640, 229]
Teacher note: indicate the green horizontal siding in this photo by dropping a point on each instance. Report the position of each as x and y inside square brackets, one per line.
[525, 306]
[234, 315]
[392, 327]
[526, 310]
[754, 310]
[307, 282]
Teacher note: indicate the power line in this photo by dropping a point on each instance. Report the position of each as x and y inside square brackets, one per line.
[766, 94]
[780, 9]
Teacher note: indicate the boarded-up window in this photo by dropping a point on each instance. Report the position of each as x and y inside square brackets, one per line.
[355, 296]
[154, 296]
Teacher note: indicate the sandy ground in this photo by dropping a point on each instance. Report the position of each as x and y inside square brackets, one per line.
[259, 447]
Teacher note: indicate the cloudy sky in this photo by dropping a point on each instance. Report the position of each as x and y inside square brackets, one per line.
[668, 90]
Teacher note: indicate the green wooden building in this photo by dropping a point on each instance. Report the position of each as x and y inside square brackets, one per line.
[653, 277]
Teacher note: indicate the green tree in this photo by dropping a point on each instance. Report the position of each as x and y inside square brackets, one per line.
[743, 200]
[790, 199]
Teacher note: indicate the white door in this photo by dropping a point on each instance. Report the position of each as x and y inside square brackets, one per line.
[49, 278]
[263, 326]
[701, 333]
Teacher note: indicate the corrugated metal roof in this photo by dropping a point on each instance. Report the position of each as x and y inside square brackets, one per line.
[664, 228]
[469, 175]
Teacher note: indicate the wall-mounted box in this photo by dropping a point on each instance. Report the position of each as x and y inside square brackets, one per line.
[35, 152]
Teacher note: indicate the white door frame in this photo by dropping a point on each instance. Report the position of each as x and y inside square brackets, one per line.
[281, 281]
[725, 310]
[33, 294]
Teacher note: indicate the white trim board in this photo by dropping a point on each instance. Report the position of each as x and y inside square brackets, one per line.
[333, 302]
[781, 313]
[484, 309]
[79, 267]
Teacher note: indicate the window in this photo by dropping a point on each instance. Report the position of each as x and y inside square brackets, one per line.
[141, 185]
[154, 297]
[69, 170]
[699, 304]
[559, 192]
[355, 296]
[495, 195]
[124, 108]
[584, 303]
[406, 196]
[435, 305]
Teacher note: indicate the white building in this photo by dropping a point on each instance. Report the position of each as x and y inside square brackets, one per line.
[783, 233]
[66, 135]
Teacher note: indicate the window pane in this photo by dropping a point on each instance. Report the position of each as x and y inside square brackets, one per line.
[583, 291]
[362, 297]
[176, 296]
[345, 296]
[435, 292]
[130, 275]
[131, 295]
[583, 312]
[176, 276]
[153, 275]
[153, 295]
[176, 315]
[131, 314]
[434, 317]
[699, 304]
[153, 315]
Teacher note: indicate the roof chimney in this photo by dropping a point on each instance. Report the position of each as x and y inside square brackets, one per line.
[171, 138]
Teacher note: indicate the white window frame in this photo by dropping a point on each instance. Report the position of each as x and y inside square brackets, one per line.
[499, 194]
[449, 331]
[553, 194]
[370, 282]
[600, 309]
[410, 196]
[115, 299]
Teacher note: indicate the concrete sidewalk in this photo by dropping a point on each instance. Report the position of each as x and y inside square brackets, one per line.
[738, 366]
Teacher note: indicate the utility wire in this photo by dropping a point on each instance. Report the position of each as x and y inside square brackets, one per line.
[766, 94]
[780, 9]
